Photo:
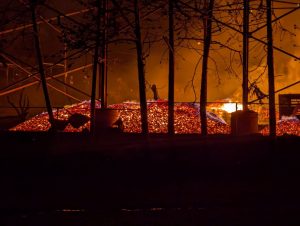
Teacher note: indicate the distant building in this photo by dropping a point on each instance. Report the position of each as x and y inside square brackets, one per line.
[289, 105]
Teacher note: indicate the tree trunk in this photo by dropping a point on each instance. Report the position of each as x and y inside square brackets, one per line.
[141, 73]
[171, 70]
[94, 76]
[245, 54]
[207, 22]
[272, 112]
[103, 52]
[41, 66]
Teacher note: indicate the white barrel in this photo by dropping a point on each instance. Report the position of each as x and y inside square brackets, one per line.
[244, 123]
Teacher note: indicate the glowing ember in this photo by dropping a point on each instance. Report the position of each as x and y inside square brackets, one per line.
[285, 127]
[41, 123]
[186, 118]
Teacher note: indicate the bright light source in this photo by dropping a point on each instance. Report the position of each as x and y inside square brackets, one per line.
[231, 107]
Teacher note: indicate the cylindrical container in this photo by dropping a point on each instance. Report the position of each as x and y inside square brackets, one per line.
[105, 118]
[244, 123]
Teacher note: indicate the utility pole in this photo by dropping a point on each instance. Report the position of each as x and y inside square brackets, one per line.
[171, 70]
[245, 54]
[270, 61]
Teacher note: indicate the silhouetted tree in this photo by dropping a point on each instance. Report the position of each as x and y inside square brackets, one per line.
[95, 66]
[141, 69]
[171, 69]
[207, 25]
[39, 58]
[272, 112]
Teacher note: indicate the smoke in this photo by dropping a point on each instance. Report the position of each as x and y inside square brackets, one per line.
[224, 72]
[222, 83]
[287, 69]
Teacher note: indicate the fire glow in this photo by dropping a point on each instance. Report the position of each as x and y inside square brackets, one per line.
[232, 107]
[285, 127]
[186, 120]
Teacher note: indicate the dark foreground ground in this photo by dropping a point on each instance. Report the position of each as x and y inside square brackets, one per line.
[128, 179]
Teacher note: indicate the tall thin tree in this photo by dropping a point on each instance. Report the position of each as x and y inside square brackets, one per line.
[245, 54]
[141, 71]
[40, 62]
[171, 69]
[207, 24]
[95, 66]
[270, 61]
[103, 56]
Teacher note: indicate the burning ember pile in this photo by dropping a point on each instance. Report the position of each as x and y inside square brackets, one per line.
[186, 118]
[41, 122]
[286, 126]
